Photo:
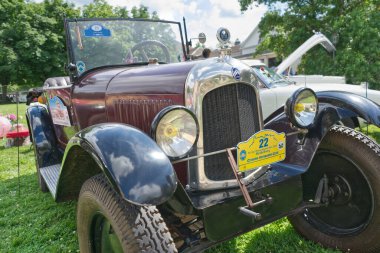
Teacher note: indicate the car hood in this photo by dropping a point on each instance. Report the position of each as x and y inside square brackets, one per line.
[314, 40]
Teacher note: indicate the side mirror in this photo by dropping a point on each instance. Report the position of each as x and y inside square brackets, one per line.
[71, 67]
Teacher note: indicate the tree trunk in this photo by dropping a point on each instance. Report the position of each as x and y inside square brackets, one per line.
[4, 93]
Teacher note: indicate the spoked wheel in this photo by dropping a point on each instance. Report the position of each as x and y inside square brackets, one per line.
[107, 223]
[351, 221]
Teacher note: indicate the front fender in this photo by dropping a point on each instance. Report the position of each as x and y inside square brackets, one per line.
[133, 163]
[301, 148]
[346, 104]
[351, 105]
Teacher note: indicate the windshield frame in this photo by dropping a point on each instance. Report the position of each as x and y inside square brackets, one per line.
[74, 75]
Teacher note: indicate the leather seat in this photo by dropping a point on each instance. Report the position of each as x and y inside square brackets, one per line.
[61, 81]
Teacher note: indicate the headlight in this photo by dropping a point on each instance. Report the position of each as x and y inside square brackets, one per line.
[302, 108]
[175, 129]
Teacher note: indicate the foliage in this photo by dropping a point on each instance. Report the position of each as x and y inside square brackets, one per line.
[32, 38]
[354, 24]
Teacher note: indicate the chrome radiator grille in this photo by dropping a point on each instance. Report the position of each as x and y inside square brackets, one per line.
[230, 115]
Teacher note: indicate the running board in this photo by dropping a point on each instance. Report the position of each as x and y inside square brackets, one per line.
[51, 174]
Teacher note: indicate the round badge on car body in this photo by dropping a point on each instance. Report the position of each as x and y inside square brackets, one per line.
[223, 35]
[96, 28]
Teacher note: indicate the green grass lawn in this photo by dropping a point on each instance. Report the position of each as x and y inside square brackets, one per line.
[11, 108]
[31, 221]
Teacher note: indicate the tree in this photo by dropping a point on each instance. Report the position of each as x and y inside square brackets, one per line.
[355, 23]
[123, 38]
[32, 37]
[32, 40]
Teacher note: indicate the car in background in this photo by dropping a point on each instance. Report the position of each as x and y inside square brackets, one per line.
[21, 97]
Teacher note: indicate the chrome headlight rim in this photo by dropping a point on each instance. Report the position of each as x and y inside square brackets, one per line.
[290, 107]
[160, 116]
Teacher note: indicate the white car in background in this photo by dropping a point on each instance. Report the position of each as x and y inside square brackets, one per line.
[21, 97]
[277, 88]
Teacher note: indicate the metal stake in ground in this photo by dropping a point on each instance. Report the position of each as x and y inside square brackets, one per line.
[18, 147]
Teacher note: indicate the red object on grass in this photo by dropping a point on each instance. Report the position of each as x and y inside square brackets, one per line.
[20, 134]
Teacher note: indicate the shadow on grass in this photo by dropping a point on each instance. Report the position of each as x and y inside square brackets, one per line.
[31, 221]
[278, 237]
[23, 149]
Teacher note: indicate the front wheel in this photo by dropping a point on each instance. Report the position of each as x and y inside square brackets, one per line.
[351, 220]
[107, 223]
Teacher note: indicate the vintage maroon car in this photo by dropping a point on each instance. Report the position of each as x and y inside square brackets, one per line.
[168, 155]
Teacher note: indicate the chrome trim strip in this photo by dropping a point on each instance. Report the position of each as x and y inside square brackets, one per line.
[204, 77]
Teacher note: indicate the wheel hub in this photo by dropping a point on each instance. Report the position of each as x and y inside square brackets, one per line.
[339, 190]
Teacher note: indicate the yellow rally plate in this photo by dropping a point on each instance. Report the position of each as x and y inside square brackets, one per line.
[263, 148]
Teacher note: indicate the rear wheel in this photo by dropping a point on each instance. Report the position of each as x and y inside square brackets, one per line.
[107, 223]
[351, 220]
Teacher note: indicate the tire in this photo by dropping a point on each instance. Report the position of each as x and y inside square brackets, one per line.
[351, 221]
[107, 223]
[350, 122]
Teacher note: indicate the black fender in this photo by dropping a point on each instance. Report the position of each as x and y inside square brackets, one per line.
[42, 135]
[333, 107]
[301, 147]
[133, 163]
[351, 105]
[347, 105]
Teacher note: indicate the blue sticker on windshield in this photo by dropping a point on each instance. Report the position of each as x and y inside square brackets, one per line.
[81, 67]
[235, 73]
[97, 30]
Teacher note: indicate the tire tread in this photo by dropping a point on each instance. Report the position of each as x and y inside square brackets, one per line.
[137, 225]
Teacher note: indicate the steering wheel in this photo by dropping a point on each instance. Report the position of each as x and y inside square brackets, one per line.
[148, 44]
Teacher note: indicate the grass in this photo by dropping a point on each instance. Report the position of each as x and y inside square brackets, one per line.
[11, 108]
[31, 221]
[372, 131]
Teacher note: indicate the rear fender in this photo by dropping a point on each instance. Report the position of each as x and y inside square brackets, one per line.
[42, 134]
[133, 163]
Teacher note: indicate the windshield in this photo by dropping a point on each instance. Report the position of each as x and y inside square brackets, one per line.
[104, 42]
[270, 77]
